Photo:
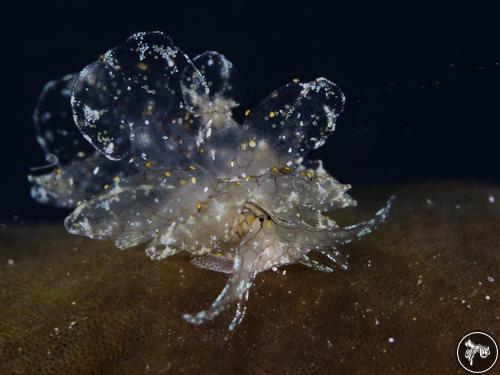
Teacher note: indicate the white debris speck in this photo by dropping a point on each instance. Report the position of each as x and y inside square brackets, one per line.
[420, 279]
[429, 202]
[109, 148]
[92, 115]
[491, 199]
[490, 279]
[10, 262]
[275, 269]
[71, 325]
[391, 340]
[96, 170]
[487, 298]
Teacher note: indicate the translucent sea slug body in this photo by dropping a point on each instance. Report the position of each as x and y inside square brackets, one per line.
[170, 166]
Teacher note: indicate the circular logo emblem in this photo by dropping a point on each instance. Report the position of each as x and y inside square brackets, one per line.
[477, 352]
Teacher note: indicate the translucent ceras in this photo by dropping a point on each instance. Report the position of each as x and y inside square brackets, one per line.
[165, 163]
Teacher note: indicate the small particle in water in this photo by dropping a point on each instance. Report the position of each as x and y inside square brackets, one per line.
[487, 298]
[275, 269]
[391, 340]
[429, 202]
[490, 279]
[10, 262]
[17, 220]
[491, 199]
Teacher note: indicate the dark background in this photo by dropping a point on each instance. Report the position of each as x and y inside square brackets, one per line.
[422, 81]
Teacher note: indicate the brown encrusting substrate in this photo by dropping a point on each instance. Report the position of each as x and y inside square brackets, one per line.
[420, 282]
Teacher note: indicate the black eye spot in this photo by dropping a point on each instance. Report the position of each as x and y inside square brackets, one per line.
[261, 219]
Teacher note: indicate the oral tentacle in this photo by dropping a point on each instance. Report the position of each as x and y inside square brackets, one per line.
[241, 309]
[335, 256]
[356, 231]
[315, 265]
[236, 289]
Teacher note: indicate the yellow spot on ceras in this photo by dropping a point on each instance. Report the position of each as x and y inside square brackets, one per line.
[200, 206]
[187, 119]
[191, 168]
[286, 170]
[247, 112]
[58, 171]
[307, 173]
[142, 66]
[148, 164]
[275, 169]
[252, 143]
[295, 80]
[167, 173]
[116, 179]
[268, 224]
[249, 219]
[193, 180]
[272, 114]
[148, 111]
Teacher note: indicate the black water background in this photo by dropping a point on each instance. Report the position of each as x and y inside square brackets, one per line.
[422, 81]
